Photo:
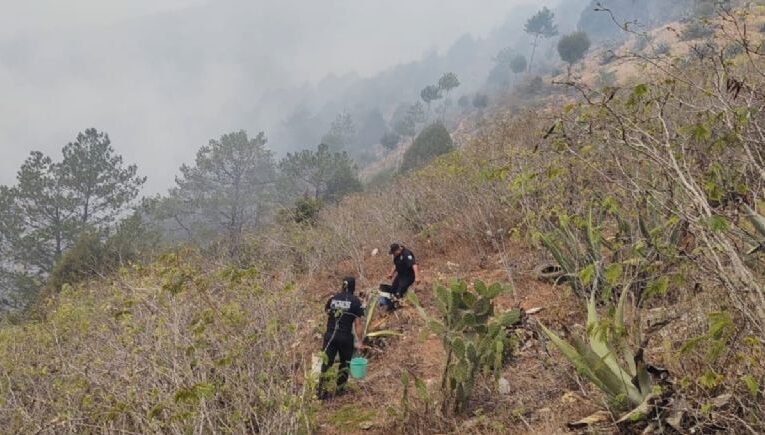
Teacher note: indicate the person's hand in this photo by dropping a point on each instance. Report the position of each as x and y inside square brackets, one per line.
[390, 276]
[359, 345]
[417, 280]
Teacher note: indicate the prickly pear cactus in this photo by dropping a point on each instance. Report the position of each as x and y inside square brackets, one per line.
[475, 339]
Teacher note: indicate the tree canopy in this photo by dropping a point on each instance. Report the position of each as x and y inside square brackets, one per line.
[229, 185]
[433, 141]
[573, 47]
[540, 25]
[325, 175]
[53, 203]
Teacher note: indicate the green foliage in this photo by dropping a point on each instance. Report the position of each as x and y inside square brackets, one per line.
[306, 210]
[326, 175]
[448, 82]
[96, 179]
[720, 329]
[474, 337]
[54, 203]
[105, 349]
[518, 64]
[540, 25]
[96, 254]
[578, 250]
[597, 356]
[369, 316]
[430, 93]
[573, 47]
[480, 101]
[390, 140]
[432, 142]
[226, 190]
[341, 134]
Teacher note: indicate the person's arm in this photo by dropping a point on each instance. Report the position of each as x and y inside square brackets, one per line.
[392, 273]
[416, 273]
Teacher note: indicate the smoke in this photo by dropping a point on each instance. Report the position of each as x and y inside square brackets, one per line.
[163, 77]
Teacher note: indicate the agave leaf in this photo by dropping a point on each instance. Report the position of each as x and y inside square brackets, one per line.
[613, 383]
[557, 254]
[384, 333]
[370, 315]
[600, 346]
[619, 314]
[596, 370]
[412, 297]
[573, 355]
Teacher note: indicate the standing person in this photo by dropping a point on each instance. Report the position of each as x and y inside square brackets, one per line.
[343, 311]
[405, 271]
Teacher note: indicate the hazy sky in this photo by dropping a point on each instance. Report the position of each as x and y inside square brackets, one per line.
[164, 76]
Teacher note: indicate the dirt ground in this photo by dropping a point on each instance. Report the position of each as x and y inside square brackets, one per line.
[544, 393]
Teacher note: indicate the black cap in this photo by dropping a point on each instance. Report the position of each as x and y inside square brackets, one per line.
[393, 248]
[349, 284]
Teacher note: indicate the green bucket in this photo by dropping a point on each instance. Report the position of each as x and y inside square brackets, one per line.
[359, 367]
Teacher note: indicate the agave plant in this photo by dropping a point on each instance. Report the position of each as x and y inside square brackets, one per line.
[598, 359]
[576, 250]
[369, 316]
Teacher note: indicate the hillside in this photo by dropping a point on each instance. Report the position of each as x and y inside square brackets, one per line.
[620, 207]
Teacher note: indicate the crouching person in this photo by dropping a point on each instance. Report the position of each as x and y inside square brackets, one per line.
[343, 311]
[405, 272]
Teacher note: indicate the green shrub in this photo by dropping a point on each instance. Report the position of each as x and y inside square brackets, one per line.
[98, 254]
[432, 142]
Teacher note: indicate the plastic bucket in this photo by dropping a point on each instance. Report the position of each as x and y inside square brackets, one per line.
[359, 367]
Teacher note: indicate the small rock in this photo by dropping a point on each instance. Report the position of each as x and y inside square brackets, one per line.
[503, 385]
[375, 251]
[534, 310]
[570, 397]
[366, 425]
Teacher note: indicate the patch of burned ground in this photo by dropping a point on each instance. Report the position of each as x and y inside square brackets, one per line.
[544, 393]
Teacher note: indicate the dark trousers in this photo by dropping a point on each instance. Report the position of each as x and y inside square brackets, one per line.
[401, 284]
[339, 344]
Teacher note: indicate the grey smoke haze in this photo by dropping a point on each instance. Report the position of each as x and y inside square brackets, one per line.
[164, 76]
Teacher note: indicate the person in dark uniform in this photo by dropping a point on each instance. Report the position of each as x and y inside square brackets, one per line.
[343, 311]
[405, 271]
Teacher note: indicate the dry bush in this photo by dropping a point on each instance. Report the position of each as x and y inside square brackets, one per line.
[172, 348]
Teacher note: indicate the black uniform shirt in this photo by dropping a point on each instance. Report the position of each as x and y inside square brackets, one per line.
[404, 263]
[342, 309]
